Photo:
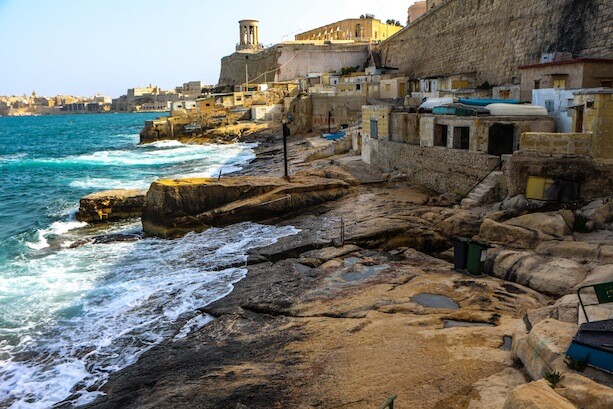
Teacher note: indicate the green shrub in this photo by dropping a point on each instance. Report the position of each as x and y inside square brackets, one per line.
[553, 378]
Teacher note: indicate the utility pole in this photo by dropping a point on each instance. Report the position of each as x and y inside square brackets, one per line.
[286, 133]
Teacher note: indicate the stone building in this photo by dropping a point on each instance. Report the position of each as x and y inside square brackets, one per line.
[354, 29]
[416, 10]
[576, 73]
[445, 153]
[568, 166]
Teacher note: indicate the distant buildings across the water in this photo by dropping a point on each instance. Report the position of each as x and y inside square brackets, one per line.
[138, 99]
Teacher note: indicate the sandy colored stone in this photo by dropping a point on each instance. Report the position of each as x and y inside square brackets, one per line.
[556, 276]
[494, 390]
[584, 393]
[334, 263]
[536, 395]
[110, 205]
[552, 224]
[511, 235]
[544, 348]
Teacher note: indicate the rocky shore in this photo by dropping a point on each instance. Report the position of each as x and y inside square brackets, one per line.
[322, 322]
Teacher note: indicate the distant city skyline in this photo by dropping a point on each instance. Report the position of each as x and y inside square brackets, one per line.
[104, 47]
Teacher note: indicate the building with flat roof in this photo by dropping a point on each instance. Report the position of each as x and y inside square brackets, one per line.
[353, 29]
[577, 73]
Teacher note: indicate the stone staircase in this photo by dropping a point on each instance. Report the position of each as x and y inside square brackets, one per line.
[484, 192]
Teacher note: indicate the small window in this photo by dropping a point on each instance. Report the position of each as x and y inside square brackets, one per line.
[607, 84]
[388, 87]
[537, 84]
[440, 135]
[549, 105]
[374, 128]
[358, 87]
[559, 83]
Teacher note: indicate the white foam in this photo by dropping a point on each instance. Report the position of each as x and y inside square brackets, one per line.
[56, 229]
[192, 325]
[96, 308]
[107, 183]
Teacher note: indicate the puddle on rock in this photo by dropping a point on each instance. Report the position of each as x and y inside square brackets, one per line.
[301, 268]
[435, 301]
[454, 323]
[350, 261]
[507, 343]
[364, 273]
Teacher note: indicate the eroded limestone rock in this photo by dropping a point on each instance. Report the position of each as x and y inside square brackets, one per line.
[544, 348]
[584, 392]
[536, 395]
[111, 205]
[549, 276]
[176, 207]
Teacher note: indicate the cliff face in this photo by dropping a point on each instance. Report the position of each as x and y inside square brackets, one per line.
[493, 38]
[176, 207]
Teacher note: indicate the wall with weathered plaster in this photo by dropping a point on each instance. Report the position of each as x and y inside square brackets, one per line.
[437, 168]
[494, 37]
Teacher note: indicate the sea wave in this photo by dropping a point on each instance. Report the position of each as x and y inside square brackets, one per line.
[54, 230]
[90, 183]
[96, 308]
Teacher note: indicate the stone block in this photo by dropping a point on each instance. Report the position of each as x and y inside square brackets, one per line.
[536, 395]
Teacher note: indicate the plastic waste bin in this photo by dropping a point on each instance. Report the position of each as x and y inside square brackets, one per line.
[477, 254]
[460, 252]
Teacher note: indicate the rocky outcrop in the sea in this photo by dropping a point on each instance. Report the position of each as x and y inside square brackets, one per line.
[176, 207]
[111, 205]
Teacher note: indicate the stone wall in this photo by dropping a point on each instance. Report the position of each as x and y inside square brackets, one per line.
[494, 37]
[345, 110]
[557, 143]
[437, 168]
[595, 180]
[284, 62]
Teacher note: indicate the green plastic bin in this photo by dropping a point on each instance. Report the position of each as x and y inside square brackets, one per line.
[477, 254]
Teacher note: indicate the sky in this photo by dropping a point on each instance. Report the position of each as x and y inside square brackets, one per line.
[87, 47]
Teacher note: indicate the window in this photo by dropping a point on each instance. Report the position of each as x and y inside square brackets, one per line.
[461, 137]
[549, 105]
[559, 83]
[440, 135]
[505, 94]
[358, 87]
[537, 84]
[388, 87]
[374, 128]
[607, 84]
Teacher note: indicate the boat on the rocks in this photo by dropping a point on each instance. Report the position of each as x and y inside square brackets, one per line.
[516, 110]
[481, 102]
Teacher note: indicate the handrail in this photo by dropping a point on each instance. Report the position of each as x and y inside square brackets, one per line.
[599, 288]
[498, 165]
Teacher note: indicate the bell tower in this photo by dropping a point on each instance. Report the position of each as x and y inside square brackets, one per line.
[249, 36]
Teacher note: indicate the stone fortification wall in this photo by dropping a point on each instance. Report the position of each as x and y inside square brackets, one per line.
[259, 65]
[284, 62]
[494, 37]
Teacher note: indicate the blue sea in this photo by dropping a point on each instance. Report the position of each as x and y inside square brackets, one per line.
[72, 315]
